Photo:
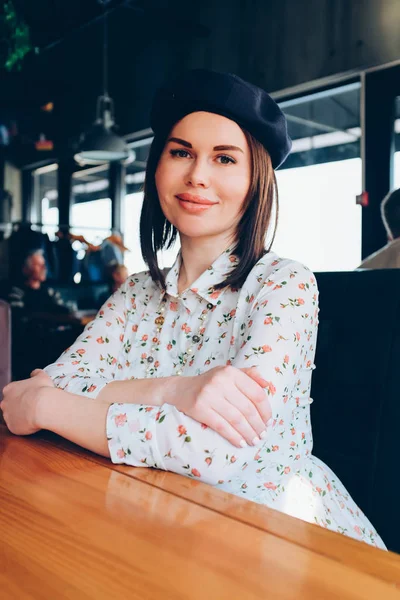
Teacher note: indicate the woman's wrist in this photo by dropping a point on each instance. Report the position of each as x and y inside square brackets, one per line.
[152, 392]
[175, 391]
[45, 403]
[80, 419]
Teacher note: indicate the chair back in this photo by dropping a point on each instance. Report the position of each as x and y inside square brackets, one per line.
[356, 390]
[5, 345]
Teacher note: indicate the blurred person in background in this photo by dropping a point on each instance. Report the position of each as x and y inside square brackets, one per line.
[388, 257]
[41, 322]
[117, 275]
[28, 294]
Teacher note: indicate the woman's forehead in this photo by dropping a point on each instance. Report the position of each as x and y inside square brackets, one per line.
[208, 127]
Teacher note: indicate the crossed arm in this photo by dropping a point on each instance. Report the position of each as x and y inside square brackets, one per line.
[136, 422]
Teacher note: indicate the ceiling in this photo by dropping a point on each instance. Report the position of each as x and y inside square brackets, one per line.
[67, 68]
[53, 21]
[66, 65]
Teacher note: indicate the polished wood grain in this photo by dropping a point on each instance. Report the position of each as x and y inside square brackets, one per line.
[71, 527]
[385, 565]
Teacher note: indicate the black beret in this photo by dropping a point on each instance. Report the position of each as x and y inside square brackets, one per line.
[227, 95]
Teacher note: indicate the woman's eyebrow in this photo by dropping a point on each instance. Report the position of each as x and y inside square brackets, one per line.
[219, 148]
[179, 141]
[216, 148]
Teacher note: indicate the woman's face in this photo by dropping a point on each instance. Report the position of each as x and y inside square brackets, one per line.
[203, 175]
[120, 276]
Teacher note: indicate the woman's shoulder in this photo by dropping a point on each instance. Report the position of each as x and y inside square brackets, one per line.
[272, 272]
[145, 275]
[140, 282]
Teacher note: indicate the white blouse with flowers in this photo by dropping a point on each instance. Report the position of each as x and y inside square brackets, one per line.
[270, 322]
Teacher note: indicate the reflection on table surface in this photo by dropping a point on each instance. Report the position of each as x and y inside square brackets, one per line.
[72, 525]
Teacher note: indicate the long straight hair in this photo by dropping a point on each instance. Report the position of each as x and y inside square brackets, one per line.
[157, 233]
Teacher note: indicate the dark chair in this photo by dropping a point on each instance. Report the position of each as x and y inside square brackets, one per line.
[356, 390]
[5, 345]
[37, 343]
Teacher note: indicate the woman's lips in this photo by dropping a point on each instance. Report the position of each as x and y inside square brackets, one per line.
[194, 204]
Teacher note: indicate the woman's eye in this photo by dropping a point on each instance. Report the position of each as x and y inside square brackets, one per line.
[179, 153]
[223, 159]
[226, 160]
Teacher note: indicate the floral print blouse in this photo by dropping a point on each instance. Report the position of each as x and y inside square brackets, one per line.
[270, 322]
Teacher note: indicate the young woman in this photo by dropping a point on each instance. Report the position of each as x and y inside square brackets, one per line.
[204, 369]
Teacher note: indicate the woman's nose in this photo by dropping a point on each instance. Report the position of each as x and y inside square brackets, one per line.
[198, 174]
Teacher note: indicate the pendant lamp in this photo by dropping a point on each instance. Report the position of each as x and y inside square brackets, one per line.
[100, 144]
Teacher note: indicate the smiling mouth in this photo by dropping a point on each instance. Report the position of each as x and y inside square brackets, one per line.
[194, 207]
[191, 199]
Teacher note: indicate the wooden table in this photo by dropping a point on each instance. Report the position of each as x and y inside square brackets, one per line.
[72, 525]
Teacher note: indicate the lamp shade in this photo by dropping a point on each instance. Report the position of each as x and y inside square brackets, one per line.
[100, 144]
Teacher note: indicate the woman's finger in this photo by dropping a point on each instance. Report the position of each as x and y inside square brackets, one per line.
[255, 393]
[36, 372]
[254, 373]
[246, 419]
[219, 424]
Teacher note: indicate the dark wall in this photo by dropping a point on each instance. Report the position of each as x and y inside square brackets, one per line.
[283, 43]
[276, 44]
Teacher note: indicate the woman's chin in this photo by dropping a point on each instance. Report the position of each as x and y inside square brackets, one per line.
[194, 227]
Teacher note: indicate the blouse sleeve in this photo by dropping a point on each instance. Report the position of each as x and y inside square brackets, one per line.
[91, 362]
[278, 336]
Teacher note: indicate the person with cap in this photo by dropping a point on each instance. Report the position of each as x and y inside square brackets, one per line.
[204, 369]
[387, 257]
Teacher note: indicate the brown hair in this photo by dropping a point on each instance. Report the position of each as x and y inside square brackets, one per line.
[156, 232]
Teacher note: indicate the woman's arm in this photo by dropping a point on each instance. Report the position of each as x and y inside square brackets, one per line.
[193, 449]
[153, 392]
[279, 334]
[279, 337]
[78, 419]
[33, 404]
[93, 359]
[89, 366]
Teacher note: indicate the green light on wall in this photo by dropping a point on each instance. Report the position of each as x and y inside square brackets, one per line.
[14, 38]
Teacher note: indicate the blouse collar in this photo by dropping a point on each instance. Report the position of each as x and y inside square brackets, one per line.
[203, 286]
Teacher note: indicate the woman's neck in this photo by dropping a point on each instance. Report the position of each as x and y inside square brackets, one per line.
[197, 256]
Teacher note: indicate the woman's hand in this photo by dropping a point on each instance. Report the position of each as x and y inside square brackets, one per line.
[20, 403]
[229, 400]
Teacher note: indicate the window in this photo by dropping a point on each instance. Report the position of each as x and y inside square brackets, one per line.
[396, 181]
[320, 223]
[91, 207]
[132, 207]
[45, 194]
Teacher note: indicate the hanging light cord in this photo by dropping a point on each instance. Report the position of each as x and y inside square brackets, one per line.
[105, 52]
